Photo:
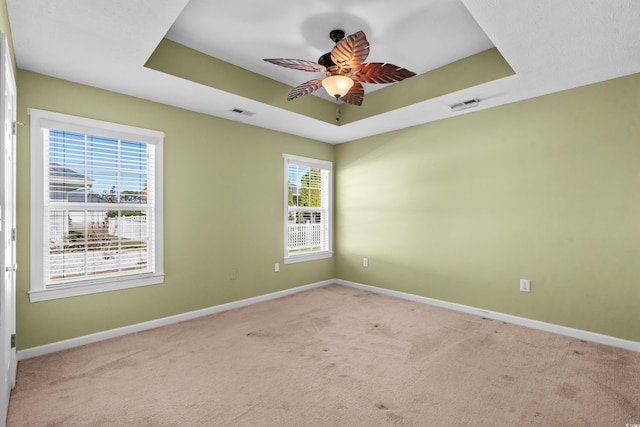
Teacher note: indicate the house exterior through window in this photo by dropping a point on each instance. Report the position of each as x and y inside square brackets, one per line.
[307, 219]
[96, 206]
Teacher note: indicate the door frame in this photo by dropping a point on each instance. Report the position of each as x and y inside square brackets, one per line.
[8, 266]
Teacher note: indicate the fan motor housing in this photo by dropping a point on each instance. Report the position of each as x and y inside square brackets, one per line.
[336, 35]
[325, 61]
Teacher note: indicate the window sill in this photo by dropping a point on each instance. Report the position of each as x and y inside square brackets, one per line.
[94, 287]
[307, 257]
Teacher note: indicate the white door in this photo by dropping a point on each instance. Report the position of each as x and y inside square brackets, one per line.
[8, 361]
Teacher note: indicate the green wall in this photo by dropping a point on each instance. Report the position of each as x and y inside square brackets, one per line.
[223, 199]
[457, 210]
[461, 209]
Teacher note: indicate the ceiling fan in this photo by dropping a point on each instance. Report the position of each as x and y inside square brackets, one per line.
[344, 68]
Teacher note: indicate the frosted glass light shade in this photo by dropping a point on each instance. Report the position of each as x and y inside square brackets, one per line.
[337, 86]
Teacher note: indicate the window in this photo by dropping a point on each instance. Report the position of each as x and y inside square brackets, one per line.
[96, 206]
[307, 213]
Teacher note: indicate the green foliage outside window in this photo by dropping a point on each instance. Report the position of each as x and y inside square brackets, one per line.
[310, 190]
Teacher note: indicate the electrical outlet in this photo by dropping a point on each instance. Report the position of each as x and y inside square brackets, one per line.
[525, 285]
[277, 267]
[365, 262]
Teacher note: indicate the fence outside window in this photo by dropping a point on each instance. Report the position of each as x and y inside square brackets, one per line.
[304, 237]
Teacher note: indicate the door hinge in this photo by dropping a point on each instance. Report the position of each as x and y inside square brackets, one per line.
[14, 127]
[13, 340]
[13, 235]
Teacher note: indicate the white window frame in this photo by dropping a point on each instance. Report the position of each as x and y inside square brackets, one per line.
[316, 164]
[40, 120]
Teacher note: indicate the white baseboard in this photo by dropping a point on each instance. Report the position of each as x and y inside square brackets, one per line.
[112, 333]
[549, 327]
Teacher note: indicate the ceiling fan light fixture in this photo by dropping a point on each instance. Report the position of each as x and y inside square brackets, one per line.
[345, 68]
[337, 86]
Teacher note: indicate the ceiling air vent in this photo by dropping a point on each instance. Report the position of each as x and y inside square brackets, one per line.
[465, 105]
[243, 112]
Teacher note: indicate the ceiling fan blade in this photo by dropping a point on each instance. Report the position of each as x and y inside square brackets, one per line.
[305, 89]
[296, 64]
[351, 51]
[379, 72]
[355, 94]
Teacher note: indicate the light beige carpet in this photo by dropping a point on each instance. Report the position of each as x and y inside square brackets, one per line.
[332, 356]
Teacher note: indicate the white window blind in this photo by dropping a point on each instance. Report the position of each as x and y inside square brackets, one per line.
[308, 209]
[96, 202]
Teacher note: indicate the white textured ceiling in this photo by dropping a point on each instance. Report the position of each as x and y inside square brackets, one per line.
[551, 45]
